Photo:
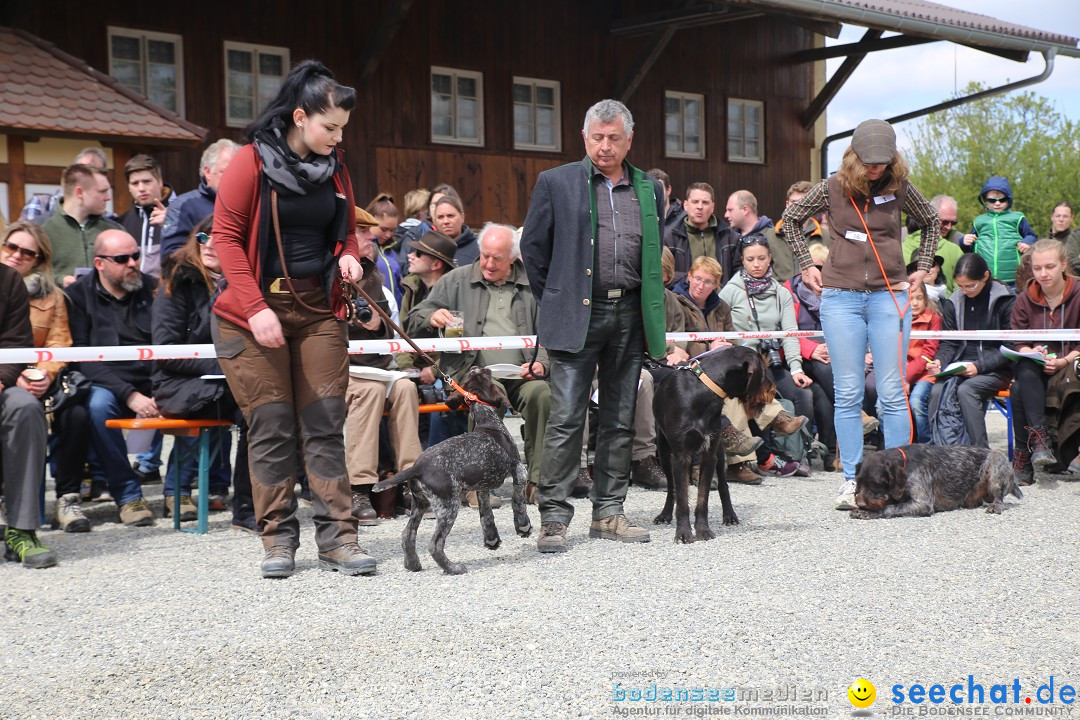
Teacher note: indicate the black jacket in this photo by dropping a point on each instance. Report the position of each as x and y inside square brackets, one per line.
[989, 358]
[183, 318]
[727, 249]
[15, 330]
[93, 323]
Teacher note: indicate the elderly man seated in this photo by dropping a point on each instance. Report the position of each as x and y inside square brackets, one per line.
[493, 296]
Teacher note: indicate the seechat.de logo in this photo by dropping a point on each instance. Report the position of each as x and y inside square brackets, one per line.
[862, 693]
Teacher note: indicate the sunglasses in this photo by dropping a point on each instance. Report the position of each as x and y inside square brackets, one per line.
[122, 259]
[950, 223]
[202, 238]
[996, 200]
[25, 253]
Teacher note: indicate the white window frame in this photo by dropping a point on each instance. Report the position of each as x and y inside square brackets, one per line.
[682, 97]
[230, 120]
[759, 159]
[454, 139]
[144, 36]
[556, 87]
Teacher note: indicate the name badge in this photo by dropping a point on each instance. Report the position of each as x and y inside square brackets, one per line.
[856, 236]
[881, 199]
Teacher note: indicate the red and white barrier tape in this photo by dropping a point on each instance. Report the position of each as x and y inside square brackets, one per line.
[456, 345]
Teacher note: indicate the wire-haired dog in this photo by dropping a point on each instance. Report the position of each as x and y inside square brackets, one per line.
[924, 479]
[478, 460]
[688, 406]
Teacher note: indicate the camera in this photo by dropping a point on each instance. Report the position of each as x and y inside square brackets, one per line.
[361, 309]
[771, 349]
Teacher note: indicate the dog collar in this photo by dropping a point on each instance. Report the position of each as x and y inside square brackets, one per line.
[470, 397]
[695, 367]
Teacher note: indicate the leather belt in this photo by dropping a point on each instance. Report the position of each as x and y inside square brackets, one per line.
[614, 294]
[279, 286]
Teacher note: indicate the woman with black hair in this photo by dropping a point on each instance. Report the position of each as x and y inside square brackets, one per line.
[978, 303]
[285, 231]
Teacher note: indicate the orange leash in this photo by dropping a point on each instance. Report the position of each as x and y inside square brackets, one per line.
[901, 351]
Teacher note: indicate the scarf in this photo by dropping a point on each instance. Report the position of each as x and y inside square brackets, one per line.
[756, 286]
[287, 171]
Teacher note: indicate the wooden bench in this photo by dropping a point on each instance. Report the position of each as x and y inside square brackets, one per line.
[182, 428]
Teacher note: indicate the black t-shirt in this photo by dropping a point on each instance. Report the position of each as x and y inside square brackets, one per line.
[305, 225]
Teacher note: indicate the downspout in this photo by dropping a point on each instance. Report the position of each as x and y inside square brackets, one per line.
[1048, 58]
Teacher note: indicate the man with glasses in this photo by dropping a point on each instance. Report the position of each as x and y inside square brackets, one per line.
[949, 244]
[111, 306]
[78, 221]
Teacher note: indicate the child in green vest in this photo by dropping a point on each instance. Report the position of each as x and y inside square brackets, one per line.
[1000, 234]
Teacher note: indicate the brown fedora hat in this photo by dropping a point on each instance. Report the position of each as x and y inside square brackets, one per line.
[436, 245]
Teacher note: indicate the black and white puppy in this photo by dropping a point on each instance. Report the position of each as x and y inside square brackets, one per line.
[924, 479]
[480, 460]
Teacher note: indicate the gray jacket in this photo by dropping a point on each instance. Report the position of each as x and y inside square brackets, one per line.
[775, 309]
[463, 289]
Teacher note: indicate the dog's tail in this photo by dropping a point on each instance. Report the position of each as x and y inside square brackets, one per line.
[399, 479]
[998, 471]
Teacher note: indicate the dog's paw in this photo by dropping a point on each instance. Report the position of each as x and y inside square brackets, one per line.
[862, 514]
[493, 544]
[413, 565]
[525, 531]
[705, 533]
[455, 569]
[995, 508]
[662, 519]
[731, 519]
[684, 536]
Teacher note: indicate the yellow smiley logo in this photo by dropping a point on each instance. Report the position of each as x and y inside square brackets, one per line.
[862, 693]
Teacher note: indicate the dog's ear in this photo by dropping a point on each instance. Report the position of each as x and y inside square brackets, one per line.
[896, 474]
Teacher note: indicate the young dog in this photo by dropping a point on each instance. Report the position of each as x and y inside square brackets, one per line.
[478, 460]
[924, 479]
[688, 406]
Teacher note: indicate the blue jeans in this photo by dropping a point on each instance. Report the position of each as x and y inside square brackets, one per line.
[112, 465]
[920, 404]
[852, 321]
[150, 459]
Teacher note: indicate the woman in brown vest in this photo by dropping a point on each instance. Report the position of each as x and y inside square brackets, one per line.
[864, 283]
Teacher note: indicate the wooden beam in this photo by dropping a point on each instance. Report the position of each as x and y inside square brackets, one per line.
[120, 195]
[818, 104]
[644, 62]
[689, 16]
[393, 17]
[862, 47]
[16, 181]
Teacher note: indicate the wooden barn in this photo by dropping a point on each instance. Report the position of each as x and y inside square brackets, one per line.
[484, 94]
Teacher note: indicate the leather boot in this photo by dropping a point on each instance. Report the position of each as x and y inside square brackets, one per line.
[738, 443]
[742, 473]
[1039, 446]
[786, 423]
[385, 503]
[361, 507]
[1023, 472]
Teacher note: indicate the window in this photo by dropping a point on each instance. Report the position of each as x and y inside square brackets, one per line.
[684, 125]
[746, 125]
[253, 76]
[536, 114]
[457, 107]
[149, 63]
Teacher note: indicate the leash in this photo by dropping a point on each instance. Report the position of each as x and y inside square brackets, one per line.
[348, 285]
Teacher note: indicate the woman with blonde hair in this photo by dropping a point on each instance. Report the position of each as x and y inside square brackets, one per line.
[864, 282]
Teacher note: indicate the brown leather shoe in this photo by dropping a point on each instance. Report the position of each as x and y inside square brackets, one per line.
[617, 527]
[470, 496]
[552, 538]
[743, 474]
[786, 423]
[869, 423]
[361, 508]
[737, 442]
[582, 485]
[647, 474]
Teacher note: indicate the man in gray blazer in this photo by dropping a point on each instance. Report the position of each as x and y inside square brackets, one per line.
[591, 247]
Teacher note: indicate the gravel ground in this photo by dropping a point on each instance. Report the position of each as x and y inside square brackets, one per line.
[148, 623]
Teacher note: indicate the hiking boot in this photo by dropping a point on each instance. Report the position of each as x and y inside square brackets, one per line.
[778, 467]
[552, 538]
[279, 562]
[869, 423]
[362, 510]
[737, 442]
[347, 559]
[1023, 472]
[69, 514]
[582, 485]
[137, 513]
[743, 474]
[1039, 445]
[217, 501]
[845, 496]
[471, 500]
[786, 423]
[647, 473]
[151, 477]
[188, 509]
[617, 527]
[23, 546]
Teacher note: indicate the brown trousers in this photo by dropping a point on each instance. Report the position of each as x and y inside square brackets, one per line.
[295, 392]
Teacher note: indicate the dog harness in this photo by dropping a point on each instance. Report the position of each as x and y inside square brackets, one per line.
[695, 367]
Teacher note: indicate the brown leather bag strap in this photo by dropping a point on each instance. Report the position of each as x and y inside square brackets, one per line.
[281, 253]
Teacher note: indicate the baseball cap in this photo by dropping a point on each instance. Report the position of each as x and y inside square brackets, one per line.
[874, 142]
